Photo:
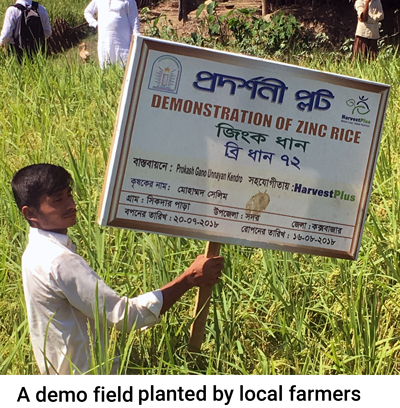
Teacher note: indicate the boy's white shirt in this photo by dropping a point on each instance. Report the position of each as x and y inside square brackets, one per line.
[59, 289]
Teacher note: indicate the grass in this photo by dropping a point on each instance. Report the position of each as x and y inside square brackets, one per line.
[273, 312]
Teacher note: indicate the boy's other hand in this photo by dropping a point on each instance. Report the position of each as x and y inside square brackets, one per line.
[205, 271]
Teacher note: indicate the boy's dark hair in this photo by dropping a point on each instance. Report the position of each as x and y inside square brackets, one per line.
[32, 182]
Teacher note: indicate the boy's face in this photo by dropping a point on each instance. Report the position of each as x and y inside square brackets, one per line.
[56, 213]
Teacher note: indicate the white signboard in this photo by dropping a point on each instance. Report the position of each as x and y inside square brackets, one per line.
[234, 149]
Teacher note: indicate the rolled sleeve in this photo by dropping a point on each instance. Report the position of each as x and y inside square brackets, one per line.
[133, 16]
[44, 18]
[152, 301]
[90, 12]
[77, 282]
[6, 36]
[359, 6]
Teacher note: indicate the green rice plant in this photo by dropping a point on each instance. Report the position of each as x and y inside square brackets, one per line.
[273, 312]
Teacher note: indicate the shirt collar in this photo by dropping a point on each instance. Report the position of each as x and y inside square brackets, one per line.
[63, 239]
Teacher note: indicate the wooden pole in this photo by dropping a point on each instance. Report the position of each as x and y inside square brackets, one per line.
[202, 305]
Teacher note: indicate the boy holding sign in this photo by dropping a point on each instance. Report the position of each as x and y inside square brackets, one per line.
[60, 286]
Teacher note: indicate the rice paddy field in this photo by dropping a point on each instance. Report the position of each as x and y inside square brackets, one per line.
[272, 313]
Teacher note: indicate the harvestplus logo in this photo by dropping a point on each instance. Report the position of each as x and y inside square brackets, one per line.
[361, 107]
[359, 110]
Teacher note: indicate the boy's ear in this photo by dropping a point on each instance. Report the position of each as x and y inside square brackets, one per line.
[30, 213]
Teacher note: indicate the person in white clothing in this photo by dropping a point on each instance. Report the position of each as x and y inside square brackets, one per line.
[60, 287]
[118, 21]
[369, 14]
[10, 22]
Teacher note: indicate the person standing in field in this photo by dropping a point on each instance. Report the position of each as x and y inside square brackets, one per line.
[369, 14]
[12, 22]
[60, 287]
[118, 21]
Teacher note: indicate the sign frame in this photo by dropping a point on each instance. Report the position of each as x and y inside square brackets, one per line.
[127, 115]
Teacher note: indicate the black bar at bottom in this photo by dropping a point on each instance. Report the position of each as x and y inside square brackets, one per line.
[82, 395]
[249, 395]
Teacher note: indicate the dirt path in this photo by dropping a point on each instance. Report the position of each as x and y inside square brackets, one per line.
[330, 21]
[336, 24]
[170, 8]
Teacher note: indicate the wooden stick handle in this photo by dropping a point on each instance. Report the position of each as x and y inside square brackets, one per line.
[202, 305]
[80, 26]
